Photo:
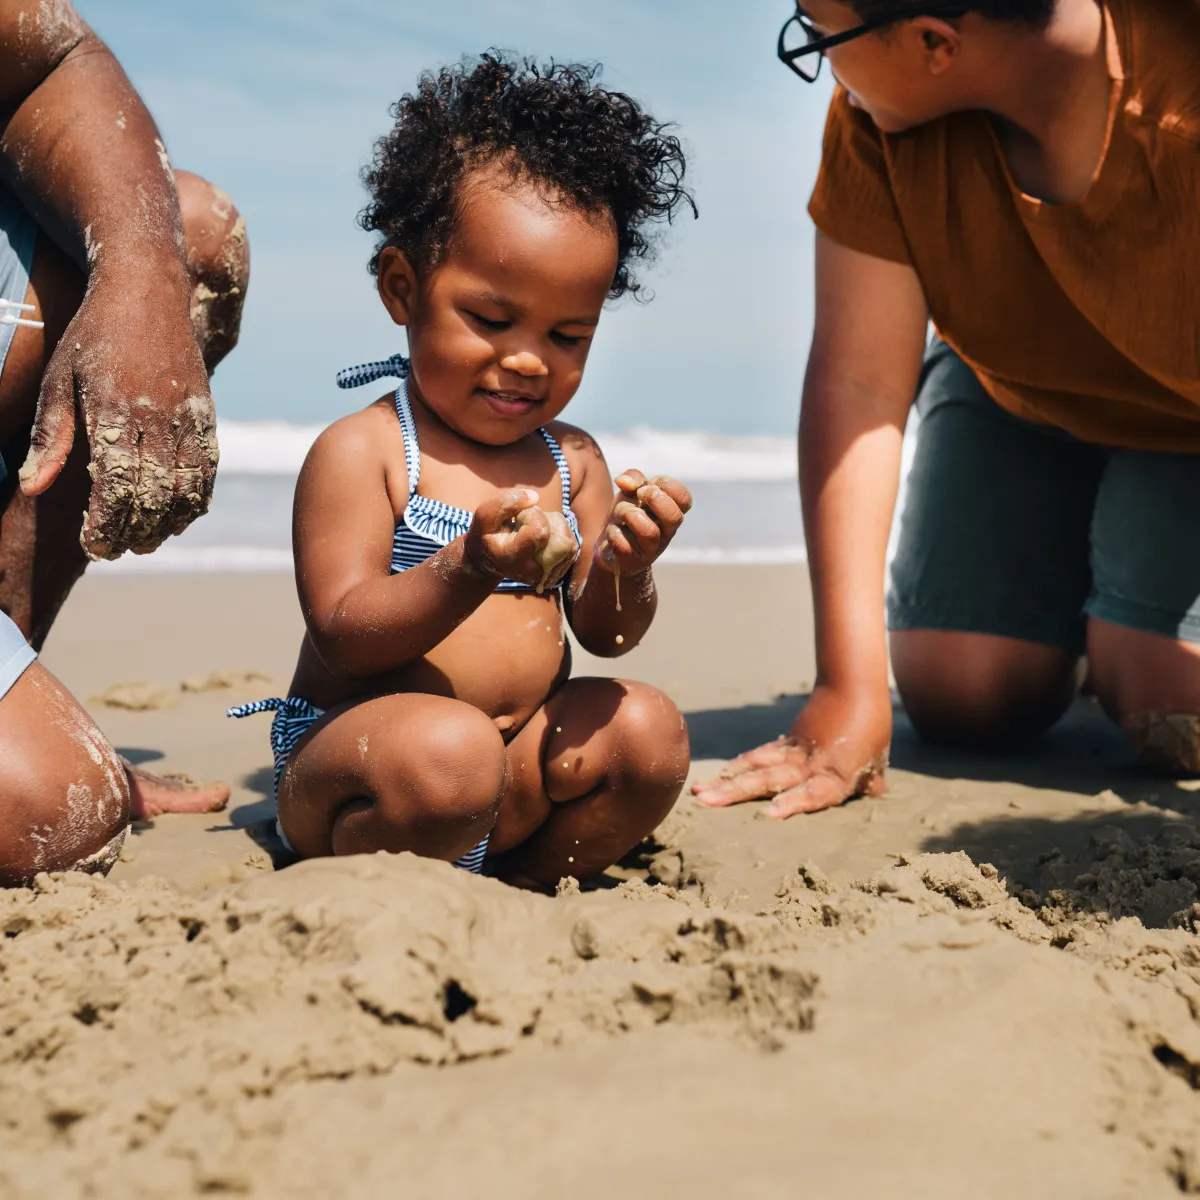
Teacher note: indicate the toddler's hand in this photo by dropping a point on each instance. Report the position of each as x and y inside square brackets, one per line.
[644, 518]
[511, 538]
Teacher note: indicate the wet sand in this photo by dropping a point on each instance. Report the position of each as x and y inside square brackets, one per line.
[987, 981]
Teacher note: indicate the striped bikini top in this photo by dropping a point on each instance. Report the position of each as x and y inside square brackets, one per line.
[428, 525]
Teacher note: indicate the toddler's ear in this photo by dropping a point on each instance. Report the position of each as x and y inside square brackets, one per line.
[397, 285]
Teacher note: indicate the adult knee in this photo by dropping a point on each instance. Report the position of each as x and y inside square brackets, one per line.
[980, 691]
[66, 794]
[1150, 685]
[218, 257]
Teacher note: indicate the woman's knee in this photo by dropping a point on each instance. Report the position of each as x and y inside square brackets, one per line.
[1149, 685]
[66, 794]
[977, 690]
[218, 257]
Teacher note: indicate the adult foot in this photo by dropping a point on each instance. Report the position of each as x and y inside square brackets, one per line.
[152, 795]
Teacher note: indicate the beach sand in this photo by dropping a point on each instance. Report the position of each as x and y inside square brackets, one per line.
[987, 982]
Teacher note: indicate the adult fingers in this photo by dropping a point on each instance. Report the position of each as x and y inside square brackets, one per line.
[53, 432]
[753, 785]
[823, 790]
[151, 518]
[115, 471]
[769, 755]
[196, 457]
[676, 490]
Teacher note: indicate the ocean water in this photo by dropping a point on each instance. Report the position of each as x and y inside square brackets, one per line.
[747, 506]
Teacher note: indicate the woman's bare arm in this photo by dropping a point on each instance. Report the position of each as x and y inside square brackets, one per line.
[862, 375]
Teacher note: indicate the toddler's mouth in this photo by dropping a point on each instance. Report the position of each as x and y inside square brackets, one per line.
[509, 404]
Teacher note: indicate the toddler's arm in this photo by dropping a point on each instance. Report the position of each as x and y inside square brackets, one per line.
[611, 596]
[362, 619]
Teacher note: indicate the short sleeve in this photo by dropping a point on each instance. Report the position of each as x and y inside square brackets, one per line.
[853, 202]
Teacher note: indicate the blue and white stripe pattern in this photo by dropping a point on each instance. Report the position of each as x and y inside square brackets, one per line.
[428, 525]
[293, 719]
[395, 367]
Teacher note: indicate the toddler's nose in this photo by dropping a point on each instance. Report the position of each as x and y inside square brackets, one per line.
[526, 364]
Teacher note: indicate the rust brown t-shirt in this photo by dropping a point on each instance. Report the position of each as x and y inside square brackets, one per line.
[1085, 315]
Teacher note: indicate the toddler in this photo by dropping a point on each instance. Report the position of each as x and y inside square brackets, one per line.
[443, 534]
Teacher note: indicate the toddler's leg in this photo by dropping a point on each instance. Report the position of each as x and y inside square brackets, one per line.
[594, 772]
[406, 772]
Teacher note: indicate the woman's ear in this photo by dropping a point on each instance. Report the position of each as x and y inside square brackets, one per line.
[397, 283]
[941, 42]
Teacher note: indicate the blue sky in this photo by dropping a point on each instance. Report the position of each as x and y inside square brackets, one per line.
[279, 101]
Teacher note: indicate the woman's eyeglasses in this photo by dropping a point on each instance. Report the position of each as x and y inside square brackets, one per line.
[802, 48]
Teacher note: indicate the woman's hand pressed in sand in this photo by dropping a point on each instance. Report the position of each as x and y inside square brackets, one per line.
[130, 361]
[511, 538]
[644, 518]
[837, 749]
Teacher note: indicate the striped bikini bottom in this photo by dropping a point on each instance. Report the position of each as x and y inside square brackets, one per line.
[293, 719]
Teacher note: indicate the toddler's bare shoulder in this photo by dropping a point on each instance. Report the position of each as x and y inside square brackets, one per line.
[582, 451]
[359, 440]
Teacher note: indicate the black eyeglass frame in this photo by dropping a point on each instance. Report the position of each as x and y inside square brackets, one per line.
[819, 46]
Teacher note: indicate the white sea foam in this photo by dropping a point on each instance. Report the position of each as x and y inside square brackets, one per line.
[277, 448]
[175, 560]
[743, 515]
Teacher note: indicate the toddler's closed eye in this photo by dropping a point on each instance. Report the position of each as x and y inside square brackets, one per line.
[486, 323]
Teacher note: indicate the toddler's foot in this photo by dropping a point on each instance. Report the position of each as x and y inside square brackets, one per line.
[152, 795]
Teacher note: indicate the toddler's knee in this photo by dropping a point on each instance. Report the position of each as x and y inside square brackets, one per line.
[651, 738]
[1166, 742]
[453, 766]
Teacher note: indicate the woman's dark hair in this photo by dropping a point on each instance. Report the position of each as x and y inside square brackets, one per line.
[1032, 12]
[550, 124]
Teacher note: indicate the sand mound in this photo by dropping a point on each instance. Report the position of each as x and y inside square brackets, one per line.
[918, 1029]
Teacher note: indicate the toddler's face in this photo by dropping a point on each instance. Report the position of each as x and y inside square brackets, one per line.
[499, 331]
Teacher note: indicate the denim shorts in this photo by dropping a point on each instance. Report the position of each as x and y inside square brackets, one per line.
[18, 235]
[1023, 531]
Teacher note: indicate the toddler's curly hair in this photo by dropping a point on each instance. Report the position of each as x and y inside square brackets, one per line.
[550, 124]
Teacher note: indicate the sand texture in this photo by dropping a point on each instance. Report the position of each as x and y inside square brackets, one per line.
[986, 983]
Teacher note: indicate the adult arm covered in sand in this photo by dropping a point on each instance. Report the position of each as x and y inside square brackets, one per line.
[862, 375]
[79, 148]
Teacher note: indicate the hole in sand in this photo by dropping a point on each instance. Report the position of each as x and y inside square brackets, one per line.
[1177, 1064]
[456, 1001]
[87, 1015]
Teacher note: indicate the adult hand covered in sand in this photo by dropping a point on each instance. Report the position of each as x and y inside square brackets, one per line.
[837, 749]
[644, 518]
[130, 367]
[512, 538]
